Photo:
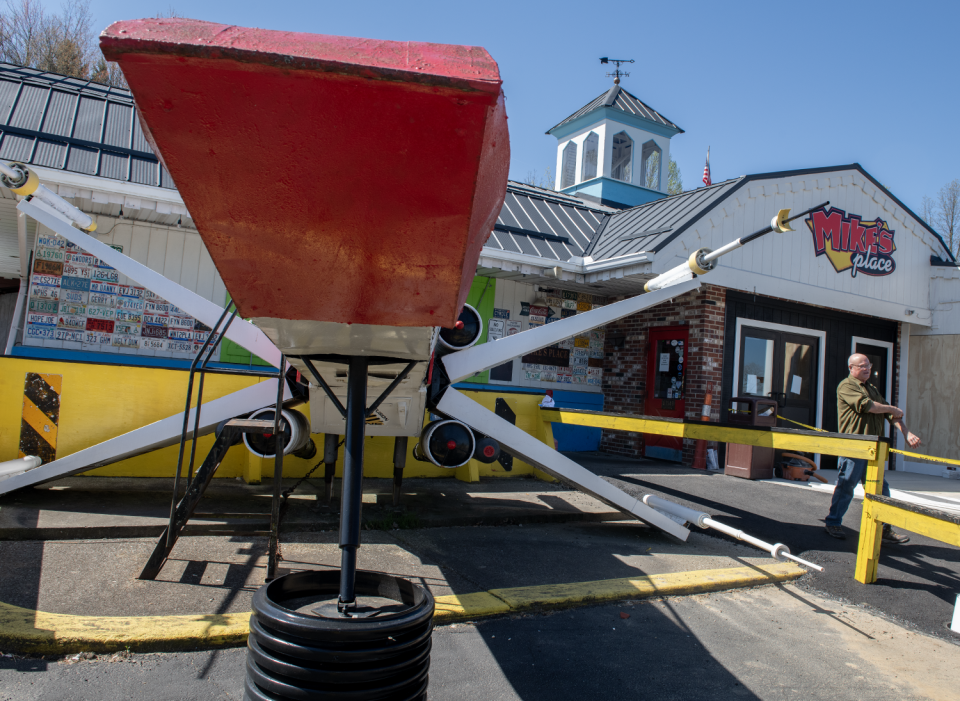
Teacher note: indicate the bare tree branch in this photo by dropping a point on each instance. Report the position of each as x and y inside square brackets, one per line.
[62, 42]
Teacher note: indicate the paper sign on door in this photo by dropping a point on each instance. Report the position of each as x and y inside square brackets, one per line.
[795, 382]
[664, 362]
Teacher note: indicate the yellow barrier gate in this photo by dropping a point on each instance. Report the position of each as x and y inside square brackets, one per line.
[877, 509]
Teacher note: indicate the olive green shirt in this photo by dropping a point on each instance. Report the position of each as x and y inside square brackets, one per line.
[854, 400]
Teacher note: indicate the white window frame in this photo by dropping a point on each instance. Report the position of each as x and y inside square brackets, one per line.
[888, 393]
[583, 158]
[820, 335]
[573, 149]
[633, 155]
[643, 164]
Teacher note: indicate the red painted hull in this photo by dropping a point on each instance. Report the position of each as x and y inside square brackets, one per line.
[332, 179]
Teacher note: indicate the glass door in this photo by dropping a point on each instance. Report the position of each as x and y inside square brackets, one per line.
[877, 355]
[784, 366]
[665, 392]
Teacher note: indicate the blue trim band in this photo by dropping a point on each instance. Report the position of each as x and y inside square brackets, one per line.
[116, 359]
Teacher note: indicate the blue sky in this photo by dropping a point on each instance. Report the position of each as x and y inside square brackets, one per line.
[768, 86]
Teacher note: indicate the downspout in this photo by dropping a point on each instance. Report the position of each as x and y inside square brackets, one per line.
[24, 280]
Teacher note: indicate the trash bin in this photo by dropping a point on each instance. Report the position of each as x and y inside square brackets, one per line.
[748, 461]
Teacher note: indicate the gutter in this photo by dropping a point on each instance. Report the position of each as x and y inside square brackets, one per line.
[24, 281]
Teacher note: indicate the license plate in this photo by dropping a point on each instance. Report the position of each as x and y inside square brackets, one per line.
[157, 308]
[72, 323]
[42, 319]
[101, 313]
[152, 344]
[75, 283]
[100, 325]
[177, 322]
[46, 306]
[54, 254]
[48, 280]
[40, 332]
[180, 335]
[120, 341]
[107, 288]
[72, 309]
[103, 300]
[68, 335]
[44, 292]
[130, 291]
[179, 347]
[74, 270]
[153, 331]
[155, 320]
[106, 275]
[46, 241]
[82, 259]
[129, 316]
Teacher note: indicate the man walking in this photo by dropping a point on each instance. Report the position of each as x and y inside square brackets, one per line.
[861, 410]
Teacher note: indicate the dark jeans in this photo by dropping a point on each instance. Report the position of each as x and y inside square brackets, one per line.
[852, 471]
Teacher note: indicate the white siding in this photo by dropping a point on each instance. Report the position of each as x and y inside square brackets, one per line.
[786, 266]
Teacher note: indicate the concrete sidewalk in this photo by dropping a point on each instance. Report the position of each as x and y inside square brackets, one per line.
[203, 593]
[764, 644]
[491, 535]
[917, 582]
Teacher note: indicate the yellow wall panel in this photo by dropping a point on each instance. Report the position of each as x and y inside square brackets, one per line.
[99, 402]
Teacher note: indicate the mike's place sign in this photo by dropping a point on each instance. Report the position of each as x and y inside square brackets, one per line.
[853, 244]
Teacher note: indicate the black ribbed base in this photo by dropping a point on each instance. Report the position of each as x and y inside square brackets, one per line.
[294, 655]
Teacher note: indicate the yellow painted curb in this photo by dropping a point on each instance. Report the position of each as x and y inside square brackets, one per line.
[499, 601]
[41, 633]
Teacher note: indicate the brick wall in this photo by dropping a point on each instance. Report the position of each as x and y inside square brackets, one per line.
[625, 364]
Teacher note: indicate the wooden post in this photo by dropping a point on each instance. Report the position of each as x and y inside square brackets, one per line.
[546, 435]
[868, 552]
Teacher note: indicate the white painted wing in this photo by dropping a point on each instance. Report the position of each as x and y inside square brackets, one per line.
[150, 437]
[240, 331]
[465, 363]
[535, 452]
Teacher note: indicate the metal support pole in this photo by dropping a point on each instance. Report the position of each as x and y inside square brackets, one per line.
[330, 445]
[351, 499]
[203, 366]
[186, 425]
[399, 462]
[277, 475]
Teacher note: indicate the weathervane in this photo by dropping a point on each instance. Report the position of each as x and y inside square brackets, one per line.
[617, 73]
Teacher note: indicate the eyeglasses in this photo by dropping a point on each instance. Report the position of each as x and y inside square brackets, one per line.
[865, 367]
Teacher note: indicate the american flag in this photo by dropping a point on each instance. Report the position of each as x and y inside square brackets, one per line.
[706, 170]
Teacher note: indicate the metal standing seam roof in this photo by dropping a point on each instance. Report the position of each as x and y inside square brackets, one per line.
[650, 226]
[75, 125]
[536, 223]
[618, 98]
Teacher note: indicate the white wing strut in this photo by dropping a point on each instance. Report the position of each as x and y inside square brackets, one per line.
[535, 452]
[150, 437]
[240, 331]
[465, 363]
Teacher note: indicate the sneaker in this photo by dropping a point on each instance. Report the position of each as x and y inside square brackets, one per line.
[835, 532]
[891, 536]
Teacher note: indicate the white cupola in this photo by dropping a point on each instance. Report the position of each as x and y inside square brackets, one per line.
[614, 150]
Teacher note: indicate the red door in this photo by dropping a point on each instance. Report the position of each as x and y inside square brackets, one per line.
[666, 374]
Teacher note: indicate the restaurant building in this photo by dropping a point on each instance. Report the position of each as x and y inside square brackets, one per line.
[777, 318]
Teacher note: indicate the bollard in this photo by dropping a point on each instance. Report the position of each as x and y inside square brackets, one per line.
[700, 456]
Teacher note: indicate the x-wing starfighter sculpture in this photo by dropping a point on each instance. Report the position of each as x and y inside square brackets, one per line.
[344, 188]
